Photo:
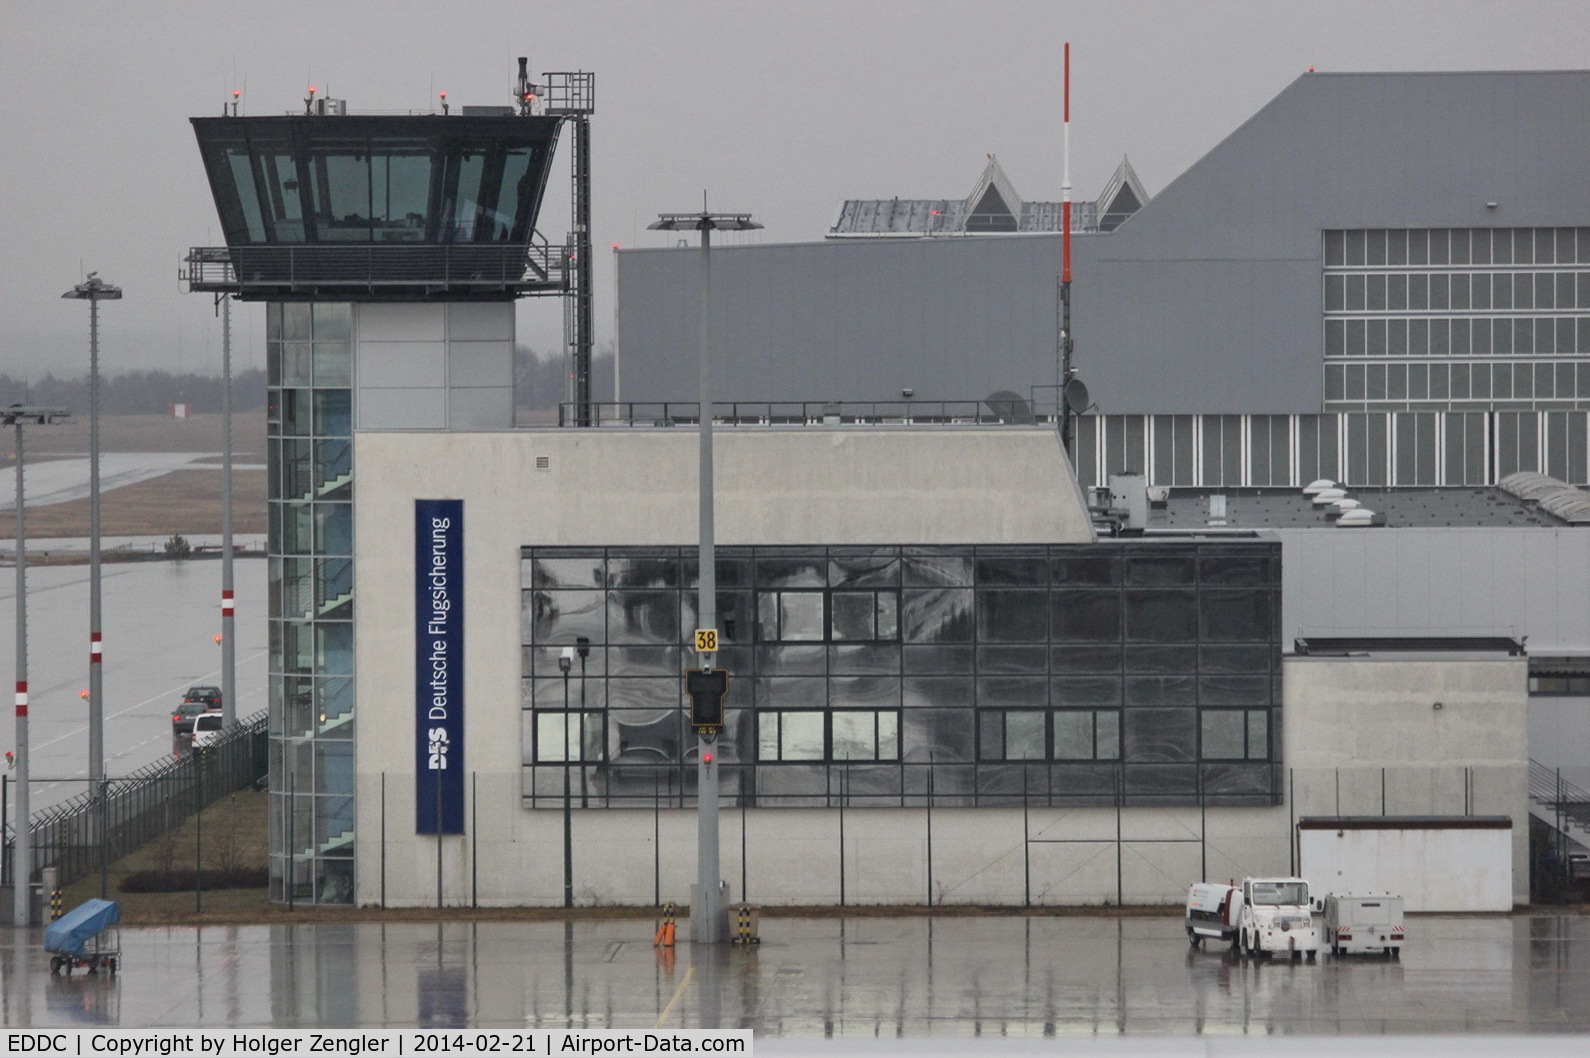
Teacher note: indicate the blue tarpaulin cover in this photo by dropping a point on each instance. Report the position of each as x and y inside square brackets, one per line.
[67, 934]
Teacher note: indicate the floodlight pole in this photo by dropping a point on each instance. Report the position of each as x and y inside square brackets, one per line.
[22, 857]
[708, 929]
[93, 290]
[706, 920]
[228, 648]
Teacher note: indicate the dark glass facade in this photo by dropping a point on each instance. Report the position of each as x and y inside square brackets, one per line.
[1141, 672]
[333, 181]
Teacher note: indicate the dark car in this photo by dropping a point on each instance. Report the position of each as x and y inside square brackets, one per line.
[210, 696]
[182, 718]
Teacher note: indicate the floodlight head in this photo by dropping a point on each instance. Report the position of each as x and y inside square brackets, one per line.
[583, 646]
[703, 222]
[566, 659]
[93, 289]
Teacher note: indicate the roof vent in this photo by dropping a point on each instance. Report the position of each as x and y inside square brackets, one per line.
[1360, 517]
[543, 462]
[1317, 484]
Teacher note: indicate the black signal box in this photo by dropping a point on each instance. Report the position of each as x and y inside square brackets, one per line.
[706, 690]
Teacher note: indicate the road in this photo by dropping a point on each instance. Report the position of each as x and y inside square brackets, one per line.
[160, 622]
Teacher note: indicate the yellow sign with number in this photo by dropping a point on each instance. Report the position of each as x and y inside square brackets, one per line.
[706, 641]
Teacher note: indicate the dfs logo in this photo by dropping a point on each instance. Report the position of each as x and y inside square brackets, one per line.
[438, 748]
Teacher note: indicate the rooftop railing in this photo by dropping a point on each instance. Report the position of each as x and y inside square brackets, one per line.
[802, 413]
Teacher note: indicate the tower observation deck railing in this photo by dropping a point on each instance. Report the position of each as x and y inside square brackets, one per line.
[382, 271]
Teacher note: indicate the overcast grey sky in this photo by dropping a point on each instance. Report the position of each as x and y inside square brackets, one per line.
[781, 108]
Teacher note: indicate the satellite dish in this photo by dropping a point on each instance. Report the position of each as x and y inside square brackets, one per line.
[1076, 396]
[1009, 407]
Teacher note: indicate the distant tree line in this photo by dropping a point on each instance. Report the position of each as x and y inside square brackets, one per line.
[538, 383]
[542, 383]
[137, 392]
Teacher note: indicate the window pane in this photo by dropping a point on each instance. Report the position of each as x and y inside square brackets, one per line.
[333, 365]
[1107, 735]
[1024, 736]
[767, 736]
[853, 612]
[248, 195]
[341, 189]
[888, 736]
[1073, 735]
[552, 744]
[400, 191]
[802, 736]
[888, 617]
[801, 616]
[855, 736]
[1258, 735]
[1222, 735]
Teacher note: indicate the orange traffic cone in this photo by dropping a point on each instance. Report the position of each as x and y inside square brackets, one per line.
[665, 930]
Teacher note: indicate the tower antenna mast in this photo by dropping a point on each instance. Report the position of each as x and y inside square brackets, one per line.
[1067, 368]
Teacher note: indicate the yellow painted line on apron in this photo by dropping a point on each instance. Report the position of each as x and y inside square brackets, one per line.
[669, 1009]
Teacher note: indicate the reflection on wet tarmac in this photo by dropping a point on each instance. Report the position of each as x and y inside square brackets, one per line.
[855, 978]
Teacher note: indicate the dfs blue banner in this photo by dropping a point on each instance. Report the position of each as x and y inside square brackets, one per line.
[439, 666]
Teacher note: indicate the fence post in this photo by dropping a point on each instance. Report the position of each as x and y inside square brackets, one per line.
[104, 839]
[383, 839]
[1026, 845]
[198, 839]
[931, 765]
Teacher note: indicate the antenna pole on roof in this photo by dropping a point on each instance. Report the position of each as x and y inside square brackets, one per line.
[1067, 369]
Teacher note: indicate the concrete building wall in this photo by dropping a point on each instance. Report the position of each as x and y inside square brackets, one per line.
[1363, 736]
[838, 485]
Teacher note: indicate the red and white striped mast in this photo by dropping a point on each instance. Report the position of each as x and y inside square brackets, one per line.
[1067, 370]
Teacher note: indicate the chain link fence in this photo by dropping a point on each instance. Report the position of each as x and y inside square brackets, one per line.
[90, 829]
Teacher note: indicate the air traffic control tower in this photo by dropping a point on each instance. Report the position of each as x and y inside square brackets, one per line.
[389, 250]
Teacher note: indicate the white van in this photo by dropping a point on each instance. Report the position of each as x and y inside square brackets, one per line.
[206, 729]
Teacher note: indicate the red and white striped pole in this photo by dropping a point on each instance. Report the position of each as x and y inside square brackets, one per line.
[1065, 186]
[1067, 369]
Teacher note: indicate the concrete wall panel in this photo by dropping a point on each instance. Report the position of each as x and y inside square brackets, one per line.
[383, 322]
[483, 321]
[408, 409]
